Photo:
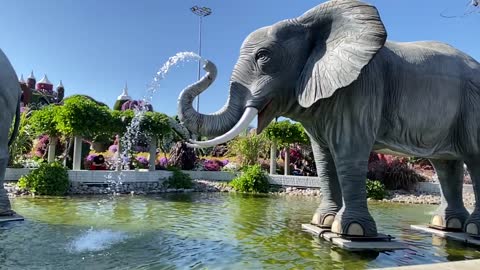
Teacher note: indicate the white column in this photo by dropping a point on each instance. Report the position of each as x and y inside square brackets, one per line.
[273, 158]
[51, 149]
[119, 161]
[153, 154]
[287, 160]
[77, 153]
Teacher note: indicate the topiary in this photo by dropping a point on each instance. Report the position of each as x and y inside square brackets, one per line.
[252, 179]
[178, 179]
[375, 190]
[48, 179]
[182, 156]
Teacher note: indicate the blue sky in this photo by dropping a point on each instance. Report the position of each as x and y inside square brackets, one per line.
[95, 46]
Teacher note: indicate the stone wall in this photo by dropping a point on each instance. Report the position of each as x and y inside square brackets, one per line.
[145, 180]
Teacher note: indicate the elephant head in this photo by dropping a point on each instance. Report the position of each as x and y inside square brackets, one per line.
[295, 62]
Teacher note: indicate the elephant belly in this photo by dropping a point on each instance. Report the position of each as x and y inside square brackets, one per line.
[404, 150]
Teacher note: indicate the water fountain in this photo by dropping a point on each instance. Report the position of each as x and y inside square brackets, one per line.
[130, 138]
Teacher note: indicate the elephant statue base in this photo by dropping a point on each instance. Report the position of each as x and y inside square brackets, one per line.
[381, 242]
[454, 235]
[14, 217]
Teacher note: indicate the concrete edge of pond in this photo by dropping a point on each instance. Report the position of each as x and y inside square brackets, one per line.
[460, 265]
[5, 219]
[458, 236]
[353, 245]
[82, 176]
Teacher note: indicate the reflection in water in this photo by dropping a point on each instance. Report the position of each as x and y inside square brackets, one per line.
[202, 231]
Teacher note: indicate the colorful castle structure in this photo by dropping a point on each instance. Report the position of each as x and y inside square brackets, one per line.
[125, 102]
[40, 93]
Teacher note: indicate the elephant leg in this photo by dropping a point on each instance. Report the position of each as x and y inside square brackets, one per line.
[472, 225]
[451, 214]
[5, 207]
[353, 218]
[331, 193]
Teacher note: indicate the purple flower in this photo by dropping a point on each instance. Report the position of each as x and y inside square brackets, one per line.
[163, 162]
[91, 157]
[225, 162]
[142, 160]
[211, 165]
[113, 148]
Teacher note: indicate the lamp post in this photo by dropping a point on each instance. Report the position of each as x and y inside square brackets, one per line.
[200, 12]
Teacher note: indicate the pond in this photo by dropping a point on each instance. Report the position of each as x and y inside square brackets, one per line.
[201, 231]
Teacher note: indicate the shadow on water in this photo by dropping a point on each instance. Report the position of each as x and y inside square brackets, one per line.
[202, 230]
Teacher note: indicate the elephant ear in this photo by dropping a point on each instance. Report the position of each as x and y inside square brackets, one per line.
[346, 35]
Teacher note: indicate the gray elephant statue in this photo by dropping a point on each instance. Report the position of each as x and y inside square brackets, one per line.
[10, 93]
[333, 70]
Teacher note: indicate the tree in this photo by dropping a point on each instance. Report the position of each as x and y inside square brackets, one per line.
[283, 134]
[82, 117]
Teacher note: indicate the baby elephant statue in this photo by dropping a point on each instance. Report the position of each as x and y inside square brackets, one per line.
[333, 70]
[10, 107]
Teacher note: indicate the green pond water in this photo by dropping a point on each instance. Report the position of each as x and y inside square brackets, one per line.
[201, 231]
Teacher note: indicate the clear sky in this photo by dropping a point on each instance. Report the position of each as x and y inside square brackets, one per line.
[94, 46]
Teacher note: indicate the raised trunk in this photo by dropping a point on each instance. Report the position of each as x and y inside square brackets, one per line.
[217, 123]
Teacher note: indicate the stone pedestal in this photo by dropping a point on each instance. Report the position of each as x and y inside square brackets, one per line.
[459, 236]
[5, 219]
[380, 243]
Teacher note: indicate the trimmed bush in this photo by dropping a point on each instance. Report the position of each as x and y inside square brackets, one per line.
[179, 179]
[48, 179]
[252, 179]
[375, 190]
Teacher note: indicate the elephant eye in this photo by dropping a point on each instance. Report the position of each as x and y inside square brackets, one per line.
[262, 55]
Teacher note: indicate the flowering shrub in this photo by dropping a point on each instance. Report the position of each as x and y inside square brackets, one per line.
[141, 162]
[162, 163]
[40, 146]
[113, 148]
[295, 155]
[393, 172]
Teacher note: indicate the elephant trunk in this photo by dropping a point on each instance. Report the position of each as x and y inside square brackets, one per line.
[217, 123]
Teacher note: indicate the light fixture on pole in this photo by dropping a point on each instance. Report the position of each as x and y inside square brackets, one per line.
[200, 12]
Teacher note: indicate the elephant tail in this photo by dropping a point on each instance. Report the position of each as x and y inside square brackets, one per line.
[16, 124]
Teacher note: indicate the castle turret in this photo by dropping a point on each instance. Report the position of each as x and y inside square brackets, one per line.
[122, 98]
[21, 80]
[45, 85]
[60, 91]
[31, 81]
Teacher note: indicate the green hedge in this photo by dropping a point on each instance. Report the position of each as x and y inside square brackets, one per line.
[48, 179]
[252, 179]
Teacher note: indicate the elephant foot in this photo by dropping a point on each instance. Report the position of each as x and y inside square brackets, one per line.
[7, 213]
[325, 215]
[472, 225]
[449, 219]
[323, 220]
[354, 223]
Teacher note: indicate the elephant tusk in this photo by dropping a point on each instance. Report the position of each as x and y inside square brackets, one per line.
[242, 124]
